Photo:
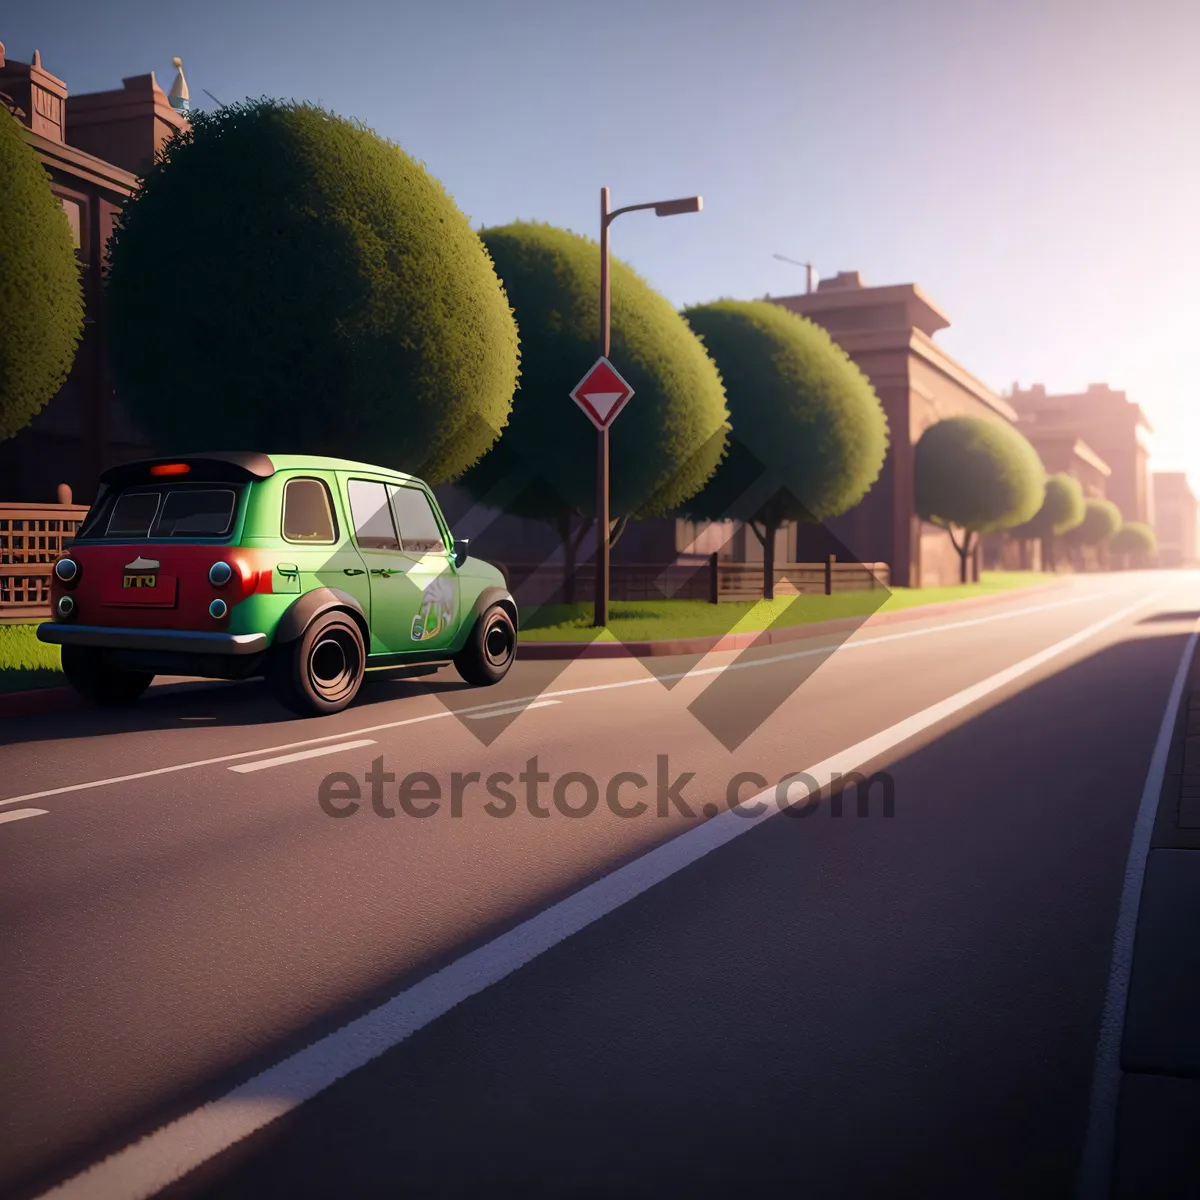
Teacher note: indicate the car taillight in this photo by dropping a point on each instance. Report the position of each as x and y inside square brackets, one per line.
[234, 578]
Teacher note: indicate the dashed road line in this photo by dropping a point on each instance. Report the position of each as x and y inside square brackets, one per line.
[315, 752]
[19, 814]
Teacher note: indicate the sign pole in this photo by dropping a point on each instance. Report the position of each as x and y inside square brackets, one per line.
[600, 616]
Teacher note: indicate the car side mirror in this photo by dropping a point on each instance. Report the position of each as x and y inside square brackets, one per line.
[460, 550]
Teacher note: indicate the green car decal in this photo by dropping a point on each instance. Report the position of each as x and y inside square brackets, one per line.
[437, 610]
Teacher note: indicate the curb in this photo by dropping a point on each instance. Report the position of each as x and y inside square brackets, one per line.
[766, 637]
[34, 701]
[37, 701]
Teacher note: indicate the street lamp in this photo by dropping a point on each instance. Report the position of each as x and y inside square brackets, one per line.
[811, 272]
[662, 208]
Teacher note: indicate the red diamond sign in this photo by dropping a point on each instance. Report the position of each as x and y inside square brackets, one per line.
[602, 393]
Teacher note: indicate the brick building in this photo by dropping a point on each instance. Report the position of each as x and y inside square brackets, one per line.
[1175, 520]
[93, 146]
[888, 332]
[1111, 425]
[1062, 453]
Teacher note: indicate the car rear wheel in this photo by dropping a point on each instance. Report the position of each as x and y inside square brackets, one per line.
[97, 682]
[490, 650]
[321, 671]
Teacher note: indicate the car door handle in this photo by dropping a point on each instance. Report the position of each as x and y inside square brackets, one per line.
[386, 572]
[352, 571]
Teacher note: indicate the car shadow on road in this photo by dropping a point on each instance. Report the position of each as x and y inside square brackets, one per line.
[217, 704]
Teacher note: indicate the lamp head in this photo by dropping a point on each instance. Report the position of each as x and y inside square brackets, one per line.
[673, 208]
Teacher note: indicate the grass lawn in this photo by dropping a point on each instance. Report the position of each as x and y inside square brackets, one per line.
[647, 620]
[25, 662]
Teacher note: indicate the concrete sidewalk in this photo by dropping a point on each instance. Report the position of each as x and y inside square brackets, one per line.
[1157, 1152]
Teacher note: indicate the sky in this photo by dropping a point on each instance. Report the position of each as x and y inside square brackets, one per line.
[1034, 165]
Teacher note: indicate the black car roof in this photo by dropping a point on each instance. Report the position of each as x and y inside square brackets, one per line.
[217, 465]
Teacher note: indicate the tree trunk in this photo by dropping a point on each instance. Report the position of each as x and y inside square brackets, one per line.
[964, 556]
[769, 564]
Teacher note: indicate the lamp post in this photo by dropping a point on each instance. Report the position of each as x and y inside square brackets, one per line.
[662, 208]
[810, 270]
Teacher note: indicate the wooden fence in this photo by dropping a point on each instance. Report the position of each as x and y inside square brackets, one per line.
[32, 536]
[704, 578]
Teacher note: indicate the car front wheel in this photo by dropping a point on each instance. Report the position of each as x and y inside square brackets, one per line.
[321, 671]
[490, 650]
[97, 682]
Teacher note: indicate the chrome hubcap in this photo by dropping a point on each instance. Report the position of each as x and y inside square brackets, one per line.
[334, 665]
[498, 641]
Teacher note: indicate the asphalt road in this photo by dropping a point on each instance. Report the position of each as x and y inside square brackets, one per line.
[688, 998]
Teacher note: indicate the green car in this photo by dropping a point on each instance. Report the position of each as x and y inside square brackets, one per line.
[306, 570]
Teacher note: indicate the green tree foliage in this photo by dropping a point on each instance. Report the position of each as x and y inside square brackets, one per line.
[40, 295]
[665, 443]
[1135, 542]
[1101, 519]
[809, 434]
[976, 475]
[286, 279]
[1062, 510]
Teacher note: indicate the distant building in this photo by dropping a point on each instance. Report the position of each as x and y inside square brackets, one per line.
[1062, 453]
[94, 147]
[888, 332]
[1175, 520]
[1111, 426]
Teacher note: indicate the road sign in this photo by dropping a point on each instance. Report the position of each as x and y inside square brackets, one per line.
[602, 393]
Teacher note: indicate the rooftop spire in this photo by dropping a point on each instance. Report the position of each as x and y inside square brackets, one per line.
[180, 100]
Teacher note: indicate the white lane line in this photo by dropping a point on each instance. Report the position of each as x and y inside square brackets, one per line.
[512, 708]
[19, 814]
[639, 681]
[1095, 1173]
[147, 1166]
[315, 752]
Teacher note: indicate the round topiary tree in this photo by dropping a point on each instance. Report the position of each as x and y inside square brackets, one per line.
[1101, 519]
[663, 446]
[1135, 543]
[40, 294]
[1062, 510]
[976, 475]
[286, 279]
[809, 434]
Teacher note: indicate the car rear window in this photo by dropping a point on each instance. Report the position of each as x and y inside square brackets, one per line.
[169, 511]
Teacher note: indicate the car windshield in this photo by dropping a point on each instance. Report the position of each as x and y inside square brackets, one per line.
[169, 511]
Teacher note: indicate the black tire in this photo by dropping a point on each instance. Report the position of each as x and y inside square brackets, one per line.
[490, 649]
[97, 682]
[321, 671]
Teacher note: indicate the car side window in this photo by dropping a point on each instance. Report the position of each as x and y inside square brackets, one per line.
[308, 512]
[420, 532]
[372, 515]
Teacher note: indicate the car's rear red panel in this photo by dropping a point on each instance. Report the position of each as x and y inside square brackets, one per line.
[181, 593]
